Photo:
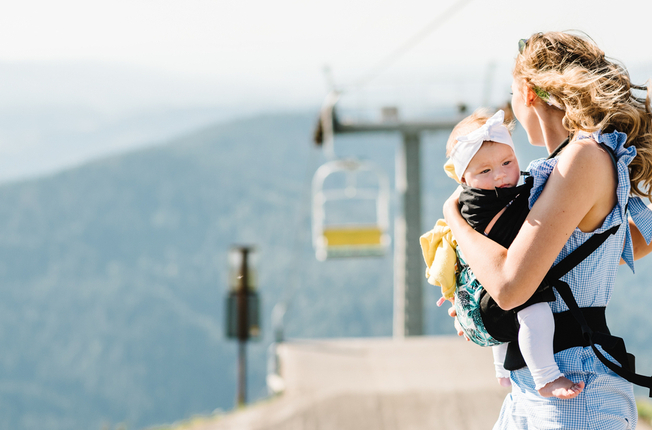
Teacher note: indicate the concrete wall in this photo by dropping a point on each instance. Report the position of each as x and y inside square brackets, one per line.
[377, 383]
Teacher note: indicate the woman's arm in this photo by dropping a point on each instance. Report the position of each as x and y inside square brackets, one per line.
[574, 195]
[641, 248]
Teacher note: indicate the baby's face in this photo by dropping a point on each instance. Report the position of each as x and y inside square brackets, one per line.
[493, 166]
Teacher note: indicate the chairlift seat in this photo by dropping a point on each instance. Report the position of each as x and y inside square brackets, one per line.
[354, 239]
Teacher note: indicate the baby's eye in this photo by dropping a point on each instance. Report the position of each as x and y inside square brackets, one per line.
[485, 171]
[507, 163]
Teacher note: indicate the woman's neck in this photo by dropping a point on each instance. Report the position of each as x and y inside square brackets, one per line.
[552, 128]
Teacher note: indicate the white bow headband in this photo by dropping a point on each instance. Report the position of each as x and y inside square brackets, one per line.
[493, 130]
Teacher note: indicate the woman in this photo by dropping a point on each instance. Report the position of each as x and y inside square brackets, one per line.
[565, 89]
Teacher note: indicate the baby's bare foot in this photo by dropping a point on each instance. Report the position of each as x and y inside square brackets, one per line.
[504, 382]
[562, 388]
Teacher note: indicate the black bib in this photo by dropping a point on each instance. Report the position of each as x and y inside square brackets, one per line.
[479, 207]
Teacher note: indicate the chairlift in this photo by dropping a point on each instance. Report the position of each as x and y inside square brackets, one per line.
[354, 239]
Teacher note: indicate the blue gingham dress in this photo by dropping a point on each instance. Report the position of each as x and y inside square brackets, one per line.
[607, 402]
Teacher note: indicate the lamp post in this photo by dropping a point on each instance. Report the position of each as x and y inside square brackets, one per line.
[242, 309]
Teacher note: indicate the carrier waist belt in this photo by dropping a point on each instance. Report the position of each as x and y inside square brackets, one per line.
[568, 334]
[581, 333]
[571, 335]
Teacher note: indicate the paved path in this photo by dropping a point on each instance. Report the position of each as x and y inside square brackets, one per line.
[377, 383]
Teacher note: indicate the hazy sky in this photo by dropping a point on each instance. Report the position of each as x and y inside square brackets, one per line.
[280, 47]
[74, 72]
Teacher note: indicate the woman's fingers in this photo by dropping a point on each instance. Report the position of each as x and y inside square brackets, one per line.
[460, 332]
[452, 203]
[458, 327]
[455, 197]
[457, 192]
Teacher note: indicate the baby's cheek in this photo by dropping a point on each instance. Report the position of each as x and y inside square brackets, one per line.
[516, 174]
[473, 184]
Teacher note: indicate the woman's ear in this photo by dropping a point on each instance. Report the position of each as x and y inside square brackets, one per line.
[530, 96]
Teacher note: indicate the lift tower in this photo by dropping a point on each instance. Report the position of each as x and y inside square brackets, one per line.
[408, 262]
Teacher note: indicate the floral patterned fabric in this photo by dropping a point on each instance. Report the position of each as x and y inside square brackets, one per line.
[467, 304]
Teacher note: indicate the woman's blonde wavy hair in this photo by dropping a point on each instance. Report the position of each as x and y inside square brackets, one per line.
[595, 93]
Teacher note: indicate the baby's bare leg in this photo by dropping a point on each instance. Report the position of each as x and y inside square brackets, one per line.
[499, 352]
[535, 339]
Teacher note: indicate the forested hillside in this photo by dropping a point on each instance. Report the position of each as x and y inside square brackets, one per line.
[113, 275]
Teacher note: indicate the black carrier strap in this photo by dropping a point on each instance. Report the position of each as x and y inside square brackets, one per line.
[579, 254]
[615, 346]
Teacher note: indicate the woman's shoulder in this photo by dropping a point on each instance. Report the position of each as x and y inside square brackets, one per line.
[615, 141]
[580, 161]
[582, 150]
[583, 157]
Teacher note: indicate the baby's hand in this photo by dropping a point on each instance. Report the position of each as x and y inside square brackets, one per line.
[458, 327]
[442, 300]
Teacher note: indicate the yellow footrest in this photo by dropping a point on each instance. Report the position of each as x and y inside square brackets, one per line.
[344, 236]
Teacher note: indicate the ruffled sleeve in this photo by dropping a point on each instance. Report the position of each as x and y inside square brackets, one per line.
[641, 214]
[624, 156]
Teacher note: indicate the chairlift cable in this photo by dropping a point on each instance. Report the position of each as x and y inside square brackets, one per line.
[413, 41]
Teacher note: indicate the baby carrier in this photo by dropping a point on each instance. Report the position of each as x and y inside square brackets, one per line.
[486, 324]
[583, 326]
[482, 320]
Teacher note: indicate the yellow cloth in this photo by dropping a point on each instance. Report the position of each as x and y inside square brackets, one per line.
[449, 168]
[438, 247]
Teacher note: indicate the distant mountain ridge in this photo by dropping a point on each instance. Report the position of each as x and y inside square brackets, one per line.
[112, 274]
[112, 283]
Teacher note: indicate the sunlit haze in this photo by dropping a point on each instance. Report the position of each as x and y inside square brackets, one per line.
[122, 58]
[281, 46]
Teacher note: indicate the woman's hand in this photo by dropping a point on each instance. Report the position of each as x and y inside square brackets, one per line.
[451, 205]
[458, 327]
[451, 210]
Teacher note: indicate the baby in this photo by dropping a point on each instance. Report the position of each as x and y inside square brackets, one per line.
[483, 161]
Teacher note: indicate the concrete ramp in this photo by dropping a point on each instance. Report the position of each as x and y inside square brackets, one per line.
[377, 383]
